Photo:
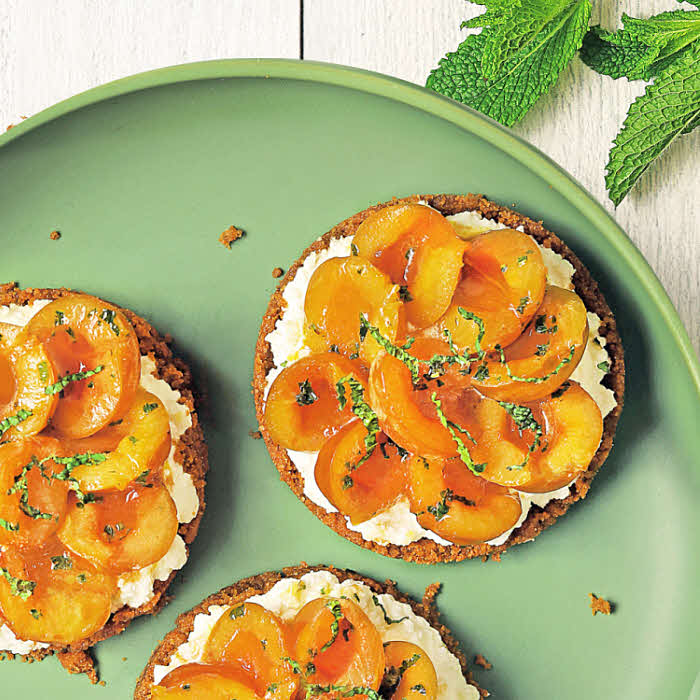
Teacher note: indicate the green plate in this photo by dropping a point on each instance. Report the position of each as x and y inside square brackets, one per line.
[142, 175]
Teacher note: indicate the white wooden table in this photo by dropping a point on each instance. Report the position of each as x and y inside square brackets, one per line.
[52, 49]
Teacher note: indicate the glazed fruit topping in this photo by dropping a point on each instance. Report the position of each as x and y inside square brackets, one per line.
[82, 498]
[329, 650]
[467, 399]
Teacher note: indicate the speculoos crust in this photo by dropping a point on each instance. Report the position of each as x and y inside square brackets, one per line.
[191, 452]
[427, 551]
[262, 583]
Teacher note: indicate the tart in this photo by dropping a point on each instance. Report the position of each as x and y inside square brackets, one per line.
[309, 632]
[102, 464]
[438, 378]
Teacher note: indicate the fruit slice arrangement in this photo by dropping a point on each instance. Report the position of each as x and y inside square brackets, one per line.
[82, 498]
[439, 372]
[329, 650]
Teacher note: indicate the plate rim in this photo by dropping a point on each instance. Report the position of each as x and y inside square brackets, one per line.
[415, 96]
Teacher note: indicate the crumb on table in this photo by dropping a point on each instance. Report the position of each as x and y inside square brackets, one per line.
[277, 272]
[55, 235]
[480, 660]
[255, 434]
[600, 605]
[230, 236]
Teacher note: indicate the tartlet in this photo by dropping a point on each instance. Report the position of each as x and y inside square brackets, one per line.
[273, 602]
[334, 244]
[171, 460]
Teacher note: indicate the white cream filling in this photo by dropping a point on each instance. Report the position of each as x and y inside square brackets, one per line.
[136, 587]
[397, 525]
[289, 595]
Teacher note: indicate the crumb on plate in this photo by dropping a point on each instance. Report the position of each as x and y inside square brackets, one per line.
[230, 236]
[600, 605]
[277, 272]
[55, 235]
[480, 660]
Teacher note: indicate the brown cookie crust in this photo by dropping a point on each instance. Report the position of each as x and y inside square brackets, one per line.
[427, 551]
[262, 583]
[191, 451]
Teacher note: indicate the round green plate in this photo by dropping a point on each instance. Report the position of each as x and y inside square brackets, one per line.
[142, 175]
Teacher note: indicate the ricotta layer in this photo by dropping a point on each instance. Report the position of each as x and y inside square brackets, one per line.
[135, 587]
[397, 525]
[289, 595]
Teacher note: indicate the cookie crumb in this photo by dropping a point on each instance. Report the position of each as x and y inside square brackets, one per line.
[600, 605]
[102, 683]
[123, 658]
[479, 660]
[230, 236]
[255, 434]
[55, 235]
[277, 272]
[431, 593]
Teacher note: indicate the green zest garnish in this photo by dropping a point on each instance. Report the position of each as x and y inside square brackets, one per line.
[387, 619]
[603, 366]
[537, 380]
[393, 675]
[10, 527]
[237, 612]
[306, 395]
[63, 382]
[520, 308]
[362, 410]
[524, 420]
[19, 587]
[335, 608]
[454, 428]
[43, 371]
[107, 316]
[61, 562]
[11, 421]
[148, 407]
[404, 294]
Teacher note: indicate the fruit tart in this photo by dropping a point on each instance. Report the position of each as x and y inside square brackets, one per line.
[102, 466]
[438, 378]
[309, 632]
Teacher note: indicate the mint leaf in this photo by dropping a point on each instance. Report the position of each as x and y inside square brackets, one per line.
[545, 37]
[669, 107]
[644, 47]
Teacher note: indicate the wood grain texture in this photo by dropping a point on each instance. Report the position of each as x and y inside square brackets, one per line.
[51, 49]
[574, 124]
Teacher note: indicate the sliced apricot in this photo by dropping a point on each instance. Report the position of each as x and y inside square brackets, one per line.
[502, 283]
[49, 595]
[32, 501]
[339, 292]
[199, 681]
[122, 530]
[253, 641]
[544, 356]
[410, 673]
[302, 409]
[87, 337]
[418, 248]
[571, 427]
[340, 642]
[25, 373]
[358, 481]
[404, 411]
[450, 500]
[137, 445]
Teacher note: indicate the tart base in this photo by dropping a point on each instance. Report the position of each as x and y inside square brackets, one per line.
[262, 583]
[427, 551]
[191, 452]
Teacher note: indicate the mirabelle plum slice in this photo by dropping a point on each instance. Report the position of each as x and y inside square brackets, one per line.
[418, 681]
[503, 283]
[138, 443]
[81, 333]
[253, 641]
[124, 530]
[31, 503]
[57, 597]
[339, 292]
[457, 505]
[545, 355]
[405, 413]
[353, 656]
[25, 371]
[572, 426]
[360, 492]
[199, 681]
[417, 247]
[302, 409]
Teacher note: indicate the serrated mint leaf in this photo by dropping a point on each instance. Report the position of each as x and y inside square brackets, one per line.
[525, 68]
[668, 108]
